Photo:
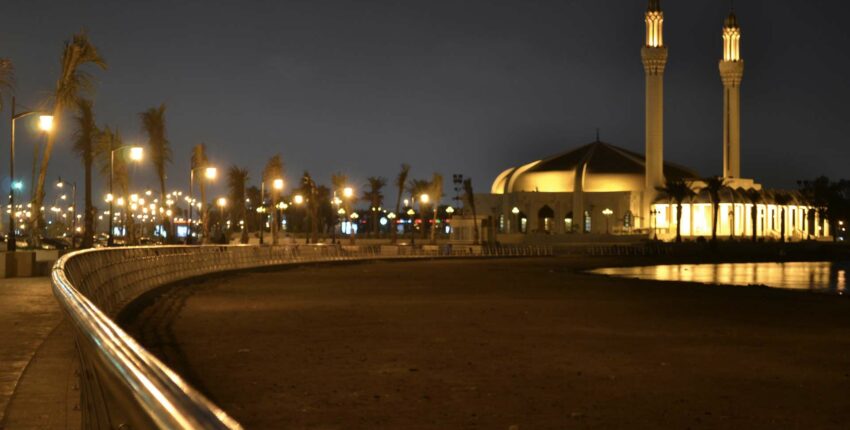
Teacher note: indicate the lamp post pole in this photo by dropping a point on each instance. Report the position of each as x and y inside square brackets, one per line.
[262, 209]
[191, 202]
[11, 243]
[135, 154]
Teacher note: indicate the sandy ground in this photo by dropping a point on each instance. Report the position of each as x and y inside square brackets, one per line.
[520, 344]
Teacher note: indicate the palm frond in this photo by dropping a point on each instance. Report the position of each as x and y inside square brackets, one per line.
[273, 169]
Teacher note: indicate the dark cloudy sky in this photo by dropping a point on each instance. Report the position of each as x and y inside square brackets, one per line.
[460, 86]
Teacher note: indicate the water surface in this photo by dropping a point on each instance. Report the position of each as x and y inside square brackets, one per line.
[814, 276]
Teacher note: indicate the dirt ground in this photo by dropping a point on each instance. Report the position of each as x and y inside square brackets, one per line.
[501, 344]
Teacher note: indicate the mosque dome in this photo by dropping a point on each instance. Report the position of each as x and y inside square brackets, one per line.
[597, 167]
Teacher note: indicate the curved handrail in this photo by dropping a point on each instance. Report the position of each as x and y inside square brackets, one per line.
[162, 398]
[123, 385]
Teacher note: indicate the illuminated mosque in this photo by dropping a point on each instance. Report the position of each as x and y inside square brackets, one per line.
[600, 188]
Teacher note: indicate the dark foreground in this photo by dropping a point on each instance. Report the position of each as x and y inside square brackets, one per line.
[498, 344]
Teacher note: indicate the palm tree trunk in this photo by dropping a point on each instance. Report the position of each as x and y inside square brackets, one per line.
[204, 213]
[678, 222]
[434, 227]
[38, 196]
[754, 216]
[314, 225]
[88, 229]
[394, 227]
[716, 208]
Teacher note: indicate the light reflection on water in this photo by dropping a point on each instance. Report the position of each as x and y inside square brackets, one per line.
[816, 276]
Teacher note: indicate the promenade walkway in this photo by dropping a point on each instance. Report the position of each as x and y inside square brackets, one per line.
[28, 314]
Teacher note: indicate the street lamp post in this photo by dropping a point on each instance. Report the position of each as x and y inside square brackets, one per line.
[298, 200]
[411, 213]
[45, 123]
[354, 216]
[262, 209]
[607, 212]
[277, 186]
[348, 193]
[135, 155]
[221, 202]
[450, 212]
[424, 198]
[391, 217]
[336, 202]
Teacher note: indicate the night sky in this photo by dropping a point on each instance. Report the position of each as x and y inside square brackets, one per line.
[468, 86]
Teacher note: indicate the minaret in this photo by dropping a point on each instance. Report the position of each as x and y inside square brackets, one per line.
[731, 72]
[654, 56]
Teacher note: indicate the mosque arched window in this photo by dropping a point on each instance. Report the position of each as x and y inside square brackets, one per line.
[522, 219]
[544, 217]
[628, 220]
[568, 223]
[587, 222]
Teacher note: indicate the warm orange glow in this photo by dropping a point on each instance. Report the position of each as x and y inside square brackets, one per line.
[298, 199]
[45, 123]
[278, 184]
[136, 153]
[210, 172]
[655, 29]
[731, 44]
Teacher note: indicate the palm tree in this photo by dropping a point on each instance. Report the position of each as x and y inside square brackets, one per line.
[400, 183]
[85, 143]
[237, 178]
[7, 78]
[153, 124]
[108, 140]
[782, 200]
[754, 196]
[198, 163]
[272, 171]
[339, 181]
[417, 188]
[469, 197]
[436, 196]
[73, 81]
[677, 190]
[375, 198]
[714, 185]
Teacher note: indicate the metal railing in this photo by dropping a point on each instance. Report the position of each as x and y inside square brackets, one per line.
[123, 386]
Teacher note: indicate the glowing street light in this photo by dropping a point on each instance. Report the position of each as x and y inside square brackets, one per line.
[210, 173]
[135, 155]
[347, 192]
[424, 198]
[277, 184]
[45, 123]
[607, 212]
[298, 199]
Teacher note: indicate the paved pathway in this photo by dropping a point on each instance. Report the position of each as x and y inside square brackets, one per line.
[28, 314]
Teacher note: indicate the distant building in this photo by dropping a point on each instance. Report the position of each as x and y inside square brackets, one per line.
[600, 188]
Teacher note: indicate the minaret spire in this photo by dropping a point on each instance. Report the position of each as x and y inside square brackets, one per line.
[654, 6]
[654, 56]
[731, 74]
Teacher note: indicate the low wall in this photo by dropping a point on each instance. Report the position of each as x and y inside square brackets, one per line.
[123, 385]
